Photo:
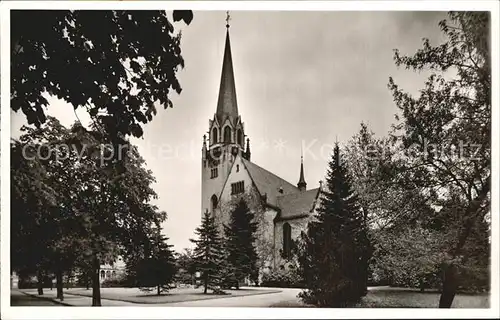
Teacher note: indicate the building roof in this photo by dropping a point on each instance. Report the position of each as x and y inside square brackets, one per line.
[268, 184]
[227, 107]
[297, 204]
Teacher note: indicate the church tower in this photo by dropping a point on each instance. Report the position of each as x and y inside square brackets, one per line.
[226, 136]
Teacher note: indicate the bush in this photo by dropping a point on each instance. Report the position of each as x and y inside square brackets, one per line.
[32, 282]
[114, 283]
[282, 278]
[474, 280]
[27, 283]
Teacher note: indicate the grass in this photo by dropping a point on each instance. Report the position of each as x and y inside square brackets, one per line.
[411, 298]
[386, 297]
[134, 295]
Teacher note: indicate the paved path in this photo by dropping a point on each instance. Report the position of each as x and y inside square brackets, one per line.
[262, 300]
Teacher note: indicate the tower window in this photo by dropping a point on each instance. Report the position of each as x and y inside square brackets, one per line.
[238, 187]
[227, 134]
[239, 137]
[215, 136]
[214, 173]
[287, 240]
[237, 168]
[215, 202]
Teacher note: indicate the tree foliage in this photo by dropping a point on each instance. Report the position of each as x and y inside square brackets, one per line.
[157, 268]
[209, 253]
[118, 65]
[72, 209]
[449, 127]
[240, 243]
[336, 247]
[186, 267]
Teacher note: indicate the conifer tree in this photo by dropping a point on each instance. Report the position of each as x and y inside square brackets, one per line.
[209, 254]
[240, 237]
[336, 246]
[158, 267]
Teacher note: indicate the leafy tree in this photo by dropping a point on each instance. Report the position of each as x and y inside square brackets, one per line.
[95, 213]
[336, 246]
[240, 238]
[387, 199]
[209, 253]
[410, 257]
[115, 64]
[36, 150]
[391, 209]
[31, 200]
[156, 269]
[449, 125]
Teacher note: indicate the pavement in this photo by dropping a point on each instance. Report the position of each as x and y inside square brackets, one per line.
[259, 300]
[285, 296]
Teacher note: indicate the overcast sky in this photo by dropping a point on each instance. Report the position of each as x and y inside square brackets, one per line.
[302, 78]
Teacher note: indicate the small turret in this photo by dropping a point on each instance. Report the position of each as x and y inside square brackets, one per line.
[247, 152]
[302, 182]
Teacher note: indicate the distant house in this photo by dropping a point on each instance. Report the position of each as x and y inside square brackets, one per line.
[106, 272]
[112, 272]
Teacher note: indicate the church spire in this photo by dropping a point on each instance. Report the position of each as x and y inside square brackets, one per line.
[302, 182]
[227, 106]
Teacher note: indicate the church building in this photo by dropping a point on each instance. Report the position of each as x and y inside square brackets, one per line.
[282, 209]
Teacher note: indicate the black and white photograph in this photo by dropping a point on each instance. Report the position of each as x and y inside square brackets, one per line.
[219, 155]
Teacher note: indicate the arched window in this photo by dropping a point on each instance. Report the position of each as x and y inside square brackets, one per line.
[108, 274]
[239, 137]
[215, 136]
[287, 240]
[103, 274]
[227, 134]
[113, 274]
[214, 202]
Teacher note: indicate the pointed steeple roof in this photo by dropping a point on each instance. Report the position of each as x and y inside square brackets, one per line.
[227, 107]
[302, 182]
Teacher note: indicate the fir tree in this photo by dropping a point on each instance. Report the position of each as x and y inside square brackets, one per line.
[158, 267]
[228, 272]
[336, 246]
[209, 254]
[240, 237]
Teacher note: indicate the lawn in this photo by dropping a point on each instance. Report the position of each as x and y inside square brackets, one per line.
[386, 297]
[134, 295]
[413, 298]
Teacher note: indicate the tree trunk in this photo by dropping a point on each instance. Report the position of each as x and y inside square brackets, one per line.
[206, 283]
[450, 286]
[59, 285]
[87, 279]
[68, 279]
[96, 286]
[39, 278]
[422, 287]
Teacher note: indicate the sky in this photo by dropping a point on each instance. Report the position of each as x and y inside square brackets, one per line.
[303, 81]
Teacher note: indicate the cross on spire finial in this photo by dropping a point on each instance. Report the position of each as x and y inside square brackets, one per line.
[228, 17]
